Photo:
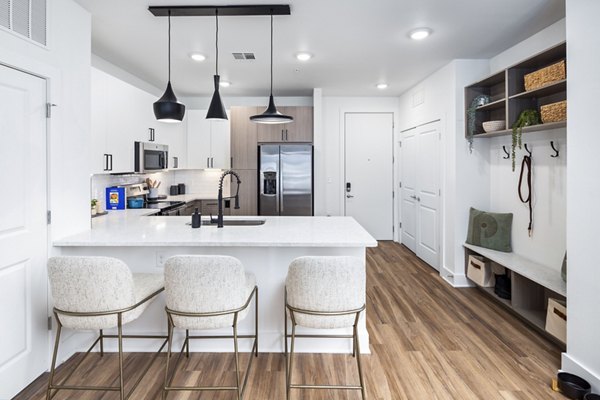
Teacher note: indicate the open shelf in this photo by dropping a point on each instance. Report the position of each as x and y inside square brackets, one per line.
[553, 88]
[508, 97]
[493, 105]
[533, 128]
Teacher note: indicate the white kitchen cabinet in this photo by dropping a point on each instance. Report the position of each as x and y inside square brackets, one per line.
[121, 115]
[208, 142]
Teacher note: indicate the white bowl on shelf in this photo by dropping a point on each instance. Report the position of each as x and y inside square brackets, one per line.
[493, 126]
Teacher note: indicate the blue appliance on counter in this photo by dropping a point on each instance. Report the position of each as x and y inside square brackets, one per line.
[115, 198]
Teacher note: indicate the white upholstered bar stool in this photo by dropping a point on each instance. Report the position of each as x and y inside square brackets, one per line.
[209, 292]
[324, 293]
[98, 293]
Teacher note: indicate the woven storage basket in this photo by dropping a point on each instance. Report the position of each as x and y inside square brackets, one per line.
[555, 112]
[545, 76]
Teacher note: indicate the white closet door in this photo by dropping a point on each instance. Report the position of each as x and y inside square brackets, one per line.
[410, 149]
[428, 194]
[421, 192]
[23, 231]
[369, 170]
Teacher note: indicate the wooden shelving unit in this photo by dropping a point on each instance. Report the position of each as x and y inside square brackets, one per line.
[508, 97]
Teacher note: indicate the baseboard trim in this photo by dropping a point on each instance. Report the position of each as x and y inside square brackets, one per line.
[455, 280]
[569, 364]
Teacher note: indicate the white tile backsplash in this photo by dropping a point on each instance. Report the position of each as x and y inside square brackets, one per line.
[196, 181]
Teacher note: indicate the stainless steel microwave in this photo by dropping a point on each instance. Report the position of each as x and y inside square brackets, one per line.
[151, 157]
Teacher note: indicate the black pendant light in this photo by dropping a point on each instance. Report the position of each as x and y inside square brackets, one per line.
[216, 109]
[168, 108]
[271, 115]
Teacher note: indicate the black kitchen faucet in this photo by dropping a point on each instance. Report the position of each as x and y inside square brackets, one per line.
[220, 198]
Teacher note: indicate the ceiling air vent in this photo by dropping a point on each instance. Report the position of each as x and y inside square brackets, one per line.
[244, 56]
[25, 17]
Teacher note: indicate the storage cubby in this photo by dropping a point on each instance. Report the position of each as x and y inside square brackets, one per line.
[495, 87]
[532, 284]
[509, 97]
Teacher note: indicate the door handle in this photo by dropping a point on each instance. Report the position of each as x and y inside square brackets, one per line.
[349, 196]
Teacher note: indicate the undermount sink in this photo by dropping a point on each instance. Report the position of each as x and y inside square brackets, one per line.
[238, 222]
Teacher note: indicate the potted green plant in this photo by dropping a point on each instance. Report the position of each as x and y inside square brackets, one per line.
[478, 101]
[94, 204]
[527, 117]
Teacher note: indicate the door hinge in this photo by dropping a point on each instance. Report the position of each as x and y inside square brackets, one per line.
[48, 217]
[49, 109]
[49, 323]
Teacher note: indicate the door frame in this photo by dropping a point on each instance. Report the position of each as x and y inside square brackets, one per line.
[441, 204]
[52, 75]
[342, 195]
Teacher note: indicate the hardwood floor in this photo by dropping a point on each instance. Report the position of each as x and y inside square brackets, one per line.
[428, 341]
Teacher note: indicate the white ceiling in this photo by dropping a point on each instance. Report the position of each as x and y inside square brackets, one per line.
[356, 43]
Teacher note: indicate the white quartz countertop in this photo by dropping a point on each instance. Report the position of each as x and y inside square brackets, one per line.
[130, 228]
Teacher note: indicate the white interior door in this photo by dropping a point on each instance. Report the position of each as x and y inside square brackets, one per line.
[421, 192]
[23, 231]
[369, 172]
[408, 199]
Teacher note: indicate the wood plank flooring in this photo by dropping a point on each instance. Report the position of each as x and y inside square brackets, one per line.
[428, 341]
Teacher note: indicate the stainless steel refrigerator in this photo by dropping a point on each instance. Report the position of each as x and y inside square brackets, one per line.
[285, 178]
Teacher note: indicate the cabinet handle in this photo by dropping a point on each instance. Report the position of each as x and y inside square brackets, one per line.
[286, 135]
[111, 162]
[231, 163]
[175, 162]
[212, 162]
[151, 130]
[207, 162]
[105, 167]
[282, 139]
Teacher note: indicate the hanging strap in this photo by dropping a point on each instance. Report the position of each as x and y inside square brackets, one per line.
[527, 164]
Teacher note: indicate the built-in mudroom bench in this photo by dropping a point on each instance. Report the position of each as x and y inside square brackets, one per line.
[532, 286]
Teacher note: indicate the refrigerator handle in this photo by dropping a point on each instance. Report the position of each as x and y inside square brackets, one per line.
[280, 183]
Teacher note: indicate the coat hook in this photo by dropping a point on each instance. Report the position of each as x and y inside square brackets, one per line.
[527, 150]
[555, 150]
[506, 152]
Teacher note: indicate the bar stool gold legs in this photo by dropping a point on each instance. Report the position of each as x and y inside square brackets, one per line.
[240, 386]
[289, 357]
[53, 388]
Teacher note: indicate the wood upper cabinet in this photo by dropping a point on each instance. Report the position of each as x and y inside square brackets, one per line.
[298, 131]
[248, 193]
[243, 138]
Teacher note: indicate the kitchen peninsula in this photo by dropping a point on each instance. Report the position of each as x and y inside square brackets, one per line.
[144, 242]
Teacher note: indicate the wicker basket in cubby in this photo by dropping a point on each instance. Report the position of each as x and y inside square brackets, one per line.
[555, 112]
[546, 76]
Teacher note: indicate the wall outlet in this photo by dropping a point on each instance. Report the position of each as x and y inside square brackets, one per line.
[160, 260]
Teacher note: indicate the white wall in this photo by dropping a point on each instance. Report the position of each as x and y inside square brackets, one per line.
[329, 159]
[583, 191]
[66, 63]
[548, 243]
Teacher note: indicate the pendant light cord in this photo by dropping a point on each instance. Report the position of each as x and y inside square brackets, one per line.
[169, 45]
[271, 52]
[217, 42]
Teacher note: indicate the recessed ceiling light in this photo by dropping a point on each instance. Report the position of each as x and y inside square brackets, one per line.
[225, 83]
[382, 86]
[198, 57]
[420, 33]
[303, 56]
